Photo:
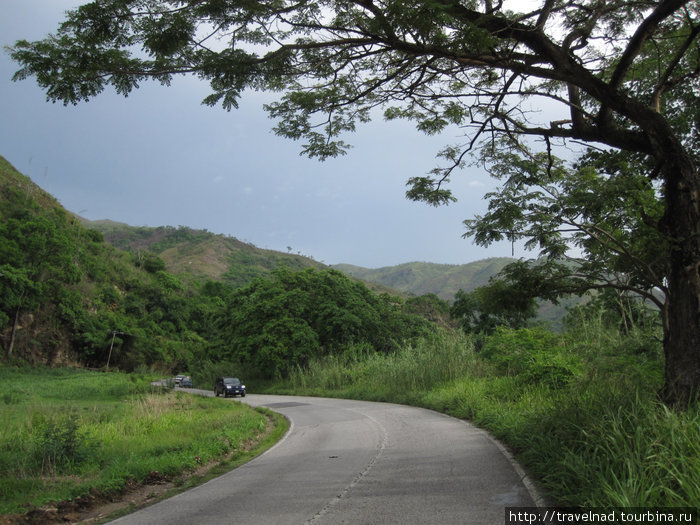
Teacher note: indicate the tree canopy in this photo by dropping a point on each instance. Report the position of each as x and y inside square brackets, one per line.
[615, 76]
[491, 306]
[605, 207]
[277, 324]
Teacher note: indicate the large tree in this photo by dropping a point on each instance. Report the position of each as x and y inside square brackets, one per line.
[596, 224]
[622, 74]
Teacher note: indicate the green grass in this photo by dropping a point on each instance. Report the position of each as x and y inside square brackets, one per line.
[66, 432]
[580, 413]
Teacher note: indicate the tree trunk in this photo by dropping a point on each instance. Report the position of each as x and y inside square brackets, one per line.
[682, 326]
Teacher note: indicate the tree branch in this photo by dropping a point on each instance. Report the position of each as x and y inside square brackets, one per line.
[665, 80]
[663, 10]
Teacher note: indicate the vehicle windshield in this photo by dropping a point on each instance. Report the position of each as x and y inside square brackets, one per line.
[231, 381]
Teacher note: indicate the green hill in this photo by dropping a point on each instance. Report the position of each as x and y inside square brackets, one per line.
[71, 289]
[199, 255]
[67, 297]
[444, 280]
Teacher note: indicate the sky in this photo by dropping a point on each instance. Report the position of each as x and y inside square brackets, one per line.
[161, 158]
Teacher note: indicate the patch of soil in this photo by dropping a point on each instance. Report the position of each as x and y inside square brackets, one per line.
[96, 506]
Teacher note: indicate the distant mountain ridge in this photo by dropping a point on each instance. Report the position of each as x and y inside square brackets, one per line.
[444, 280]
[202, 255]
[419, 278]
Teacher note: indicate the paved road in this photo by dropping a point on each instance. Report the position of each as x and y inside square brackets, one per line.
[357, 462]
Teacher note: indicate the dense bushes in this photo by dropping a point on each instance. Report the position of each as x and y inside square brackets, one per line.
[278, 324]
[536, 356]
[58, 445]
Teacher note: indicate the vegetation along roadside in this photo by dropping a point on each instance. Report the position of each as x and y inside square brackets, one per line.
[75, 440]
[580, 410]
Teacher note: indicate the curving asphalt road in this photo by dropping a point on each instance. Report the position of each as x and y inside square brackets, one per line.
[357, 462]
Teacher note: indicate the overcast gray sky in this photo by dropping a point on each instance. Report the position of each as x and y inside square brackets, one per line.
[159, 157]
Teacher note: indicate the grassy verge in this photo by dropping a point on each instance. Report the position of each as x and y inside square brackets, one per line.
[67, 433]
[580, 413]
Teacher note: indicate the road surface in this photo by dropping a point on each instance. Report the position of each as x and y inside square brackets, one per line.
[357, 462]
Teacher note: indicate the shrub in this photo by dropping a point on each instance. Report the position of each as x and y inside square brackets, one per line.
[535, 354]
[58, 445]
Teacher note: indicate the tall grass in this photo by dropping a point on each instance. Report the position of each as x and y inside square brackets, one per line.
[579, 410]
[69, 432]
[401, 376]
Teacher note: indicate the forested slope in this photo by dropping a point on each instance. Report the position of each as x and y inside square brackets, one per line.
[67, 297]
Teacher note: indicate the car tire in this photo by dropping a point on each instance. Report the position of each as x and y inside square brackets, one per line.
[242, 395]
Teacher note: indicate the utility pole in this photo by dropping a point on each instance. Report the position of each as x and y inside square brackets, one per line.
[109, 357]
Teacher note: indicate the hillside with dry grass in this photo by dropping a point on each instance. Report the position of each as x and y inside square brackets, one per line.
[200, 255]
